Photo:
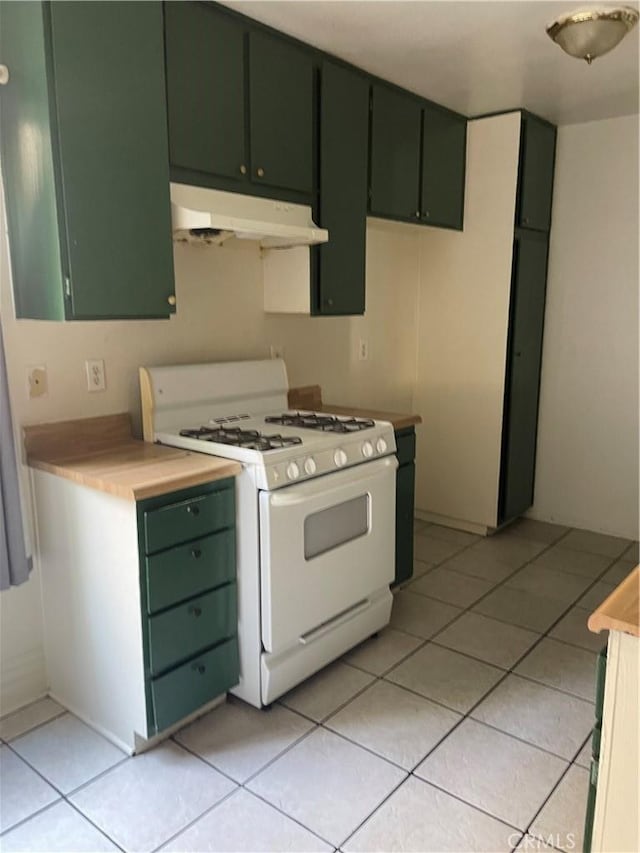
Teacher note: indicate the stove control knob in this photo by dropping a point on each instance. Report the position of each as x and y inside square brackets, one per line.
[310, 465]
[293, 472]
[367, 450]
[381, 445]
[340, 458]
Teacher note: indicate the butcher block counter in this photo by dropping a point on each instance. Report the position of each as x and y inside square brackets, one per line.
[101, 453]
[309, 398]
[614, 793]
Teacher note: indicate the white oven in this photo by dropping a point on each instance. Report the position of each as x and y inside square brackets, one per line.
[315, 513]
[324, 546]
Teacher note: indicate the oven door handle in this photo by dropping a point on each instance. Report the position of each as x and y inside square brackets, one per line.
[325, 485]
[341, 618]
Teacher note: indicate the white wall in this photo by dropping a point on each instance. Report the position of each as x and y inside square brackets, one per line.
[587, 456]
[220, 317]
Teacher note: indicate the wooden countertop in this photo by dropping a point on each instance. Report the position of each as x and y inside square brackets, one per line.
[621, 610]
[309, 397]
[101, 453]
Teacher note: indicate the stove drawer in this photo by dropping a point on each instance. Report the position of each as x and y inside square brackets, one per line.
[187, 570]
[185, 630]
[190, 686]
[189, 519]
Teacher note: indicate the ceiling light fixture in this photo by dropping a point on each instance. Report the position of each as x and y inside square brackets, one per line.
[589, 33]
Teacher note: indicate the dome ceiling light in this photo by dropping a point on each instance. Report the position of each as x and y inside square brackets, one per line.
[590, 33]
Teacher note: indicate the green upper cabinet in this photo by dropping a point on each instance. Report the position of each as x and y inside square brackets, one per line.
[344, 145]
[537, 155]
[205, 90]
[281, 113]
[85, 112]
[395, 154]
[444, 145]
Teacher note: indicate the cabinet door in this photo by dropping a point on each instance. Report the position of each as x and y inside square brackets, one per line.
[523, 374]
[344, 145]
[405, 488]
[108, 68]
[281, 113]
[205, 89]
[395, 154]
[537, 154]
[444, 145]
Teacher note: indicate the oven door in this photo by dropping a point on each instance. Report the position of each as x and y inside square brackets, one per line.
[325, 546]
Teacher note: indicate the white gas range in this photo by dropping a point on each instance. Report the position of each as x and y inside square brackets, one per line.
[315, 511]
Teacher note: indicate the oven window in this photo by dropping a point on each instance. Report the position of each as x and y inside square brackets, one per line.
[331, 527]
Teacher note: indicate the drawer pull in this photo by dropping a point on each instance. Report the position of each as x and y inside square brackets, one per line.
[194, 510]
[196, 553]
[195, 611]
[199, 667]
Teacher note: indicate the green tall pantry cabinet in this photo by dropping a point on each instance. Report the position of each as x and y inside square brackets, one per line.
[85, 160]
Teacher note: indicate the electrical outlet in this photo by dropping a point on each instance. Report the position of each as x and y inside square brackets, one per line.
[363, 349]
[95, 374]
[37, 381]
[276, 351]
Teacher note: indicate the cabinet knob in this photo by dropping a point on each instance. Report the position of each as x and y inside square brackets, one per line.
[193, 510]
[4, 75]
[417, 214]
[426, 214]
[199, 667]
[260, 172]
[243, 169]
[196, 553]
[195, 611]
[328, 303]
[171, 299]
[525, 221]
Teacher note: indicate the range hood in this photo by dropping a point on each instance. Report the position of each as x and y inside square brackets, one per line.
[201, 215]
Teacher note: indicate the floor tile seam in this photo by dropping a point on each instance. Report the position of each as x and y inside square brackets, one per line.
[28, 705]
[573, 645]
[467, 803]
[366, 748]
[553, 687]
[375, 810]
[443, 600]
[441, 645]
[546, 800]
[203, 760]
[36, 771]
[380, 675]
[374, 678]
[521, 739]
[515, 847]
[291, 817]
[37, 726]
[33, 814]
[451, 556]
[77, 809]
[81, 787]
[492, 814]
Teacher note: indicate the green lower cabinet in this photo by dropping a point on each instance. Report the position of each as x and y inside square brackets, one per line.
[186, 688]
[405, 490]
[189, 599]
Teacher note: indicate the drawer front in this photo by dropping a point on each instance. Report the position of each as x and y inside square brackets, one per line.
[405, 447]
[179, 522]
[188, 687]
[188, 570]
[188, 628]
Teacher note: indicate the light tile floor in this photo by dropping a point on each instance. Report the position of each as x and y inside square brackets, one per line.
[464, 726]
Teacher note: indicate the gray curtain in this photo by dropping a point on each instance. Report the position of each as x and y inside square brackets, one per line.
[15, 563]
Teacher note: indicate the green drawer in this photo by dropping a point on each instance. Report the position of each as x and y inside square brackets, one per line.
[188, 570]
[189, 519]
[185, 630]
[406, 446]
[186, 688]
[601, 671]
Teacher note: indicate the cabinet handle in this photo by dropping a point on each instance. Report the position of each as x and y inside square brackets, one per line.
[171, 299]
[518, 354]
[525, 221]
[328, 303]
[195, 611]
[196, 553]
[4, 75]
[417, 214]
[426, 214]
[193, 510]
[243, 169]
[260, 172]
[199, 667]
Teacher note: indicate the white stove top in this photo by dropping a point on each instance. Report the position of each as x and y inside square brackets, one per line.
[197, 407]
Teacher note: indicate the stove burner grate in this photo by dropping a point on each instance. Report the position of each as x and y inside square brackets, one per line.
[237, 437]
[326, 423]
